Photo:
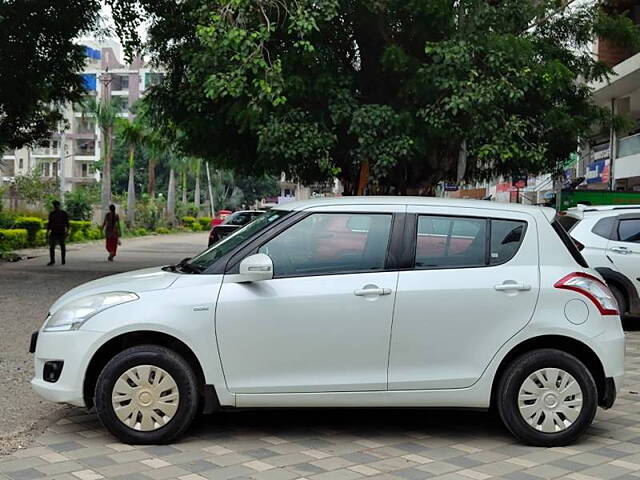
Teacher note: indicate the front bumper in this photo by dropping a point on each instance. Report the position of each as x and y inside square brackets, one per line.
[75, 349]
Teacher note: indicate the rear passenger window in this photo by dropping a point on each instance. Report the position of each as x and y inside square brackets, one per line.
[629, 230]
[451, 242]
[459, 242]
[506, 238]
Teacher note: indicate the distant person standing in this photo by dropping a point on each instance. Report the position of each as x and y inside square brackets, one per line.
[57, 231]
[111, 227]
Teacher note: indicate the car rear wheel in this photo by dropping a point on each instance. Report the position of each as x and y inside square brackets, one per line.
[147, 394]
[547, 398]
[620, 297]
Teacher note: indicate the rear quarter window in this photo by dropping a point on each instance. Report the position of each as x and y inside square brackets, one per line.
[568, 222]
[605, 228]
[568, 242]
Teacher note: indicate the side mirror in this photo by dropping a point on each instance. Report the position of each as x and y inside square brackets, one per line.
[256, 268]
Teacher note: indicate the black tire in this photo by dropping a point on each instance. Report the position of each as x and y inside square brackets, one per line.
[620, 297]
[165, 359]
[515, 375]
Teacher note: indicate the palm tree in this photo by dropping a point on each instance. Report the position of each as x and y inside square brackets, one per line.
[105, 113]
[196, 194]
[132, 133]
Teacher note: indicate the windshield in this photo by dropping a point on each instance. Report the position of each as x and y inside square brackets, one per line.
[208, 257]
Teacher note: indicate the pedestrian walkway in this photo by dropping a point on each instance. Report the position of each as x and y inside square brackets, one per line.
[341, 445]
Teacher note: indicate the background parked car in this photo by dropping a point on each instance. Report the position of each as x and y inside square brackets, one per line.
[610, 240]
[231, 223]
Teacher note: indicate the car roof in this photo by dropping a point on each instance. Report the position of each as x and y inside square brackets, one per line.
[582, 211]
[549, 213]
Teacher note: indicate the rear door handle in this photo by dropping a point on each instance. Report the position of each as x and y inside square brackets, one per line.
[506, 287]
[621, 250]
[365, 292]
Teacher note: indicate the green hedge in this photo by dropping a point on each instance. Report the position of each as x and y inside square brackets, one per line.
[13, 239]
[163, 230]
[31, 224]
[196, 227]
[82, 226]
[188, 221]
[205, 222]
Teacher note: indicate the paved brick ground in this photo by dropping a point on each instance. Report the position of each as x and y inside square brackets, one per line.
[341, 445]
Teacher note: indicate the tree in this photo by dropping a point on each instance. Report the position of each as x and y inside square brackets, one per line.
[40, 61]
[226, 194]
[132, 134]
[255, 189]
[34, 188]
[105, 114]
[387, 95]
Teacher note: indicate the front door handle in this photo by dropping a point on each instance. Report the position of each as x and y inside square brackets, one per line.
[365, 292]
[621, 250]
[506, 287]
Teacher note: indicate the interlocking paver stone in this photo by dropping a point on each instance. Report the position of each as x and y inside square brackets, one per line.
[339, 445]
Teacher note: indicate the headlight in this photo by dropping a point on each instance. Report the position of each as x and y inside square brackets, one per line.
[72, 315]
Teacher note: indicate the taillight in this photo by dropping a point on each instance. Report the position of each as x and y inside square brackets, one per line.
[593, 288]
[579, 246]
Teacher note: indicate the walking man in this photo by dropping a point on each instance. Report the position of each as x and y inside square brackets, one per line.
[57, 231]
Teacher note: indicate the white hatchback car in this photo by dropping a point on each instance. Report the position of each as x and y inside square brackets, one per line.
[610, 237]
[349, 302]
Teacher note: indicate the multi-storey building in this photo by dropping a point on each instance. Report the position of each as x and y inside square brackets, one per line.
[610, 159]
[104, 76]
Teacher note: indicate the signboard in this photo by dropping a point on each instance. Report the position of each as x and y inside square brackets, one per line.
[601, 152]
[598, 172]
[450, 187]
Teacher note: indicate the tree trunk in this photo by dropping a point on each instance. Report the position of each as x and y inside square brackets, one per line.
[171, 199]
[364, 177]
[106, 170]
[196, 198]
[151, 183]
[131, 190]
[184, 187]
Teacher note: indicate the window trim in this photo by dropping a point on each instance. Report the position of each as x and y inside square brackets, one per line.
[252, 248]
[488, 229]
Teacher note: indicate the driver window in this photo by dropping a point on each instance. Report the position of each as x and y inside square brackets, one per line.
[331, 243]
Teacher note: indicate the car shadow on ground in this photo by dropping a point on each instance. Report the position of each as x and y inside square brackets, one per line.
[291, 424]
[631, 324]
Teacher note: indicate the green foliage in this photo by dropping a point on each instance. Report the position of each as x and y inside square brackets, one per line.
[79, 203]
[319, 88]
[31, 224]
[40, 61]
[78, 236]
[94, 233]
[140, 231]
[41, 238]
[163, 230]
[79, 226]
[188, 220]
[196, 227]
[13, 239]
[34, 188]
[205, 222]
[148, 213]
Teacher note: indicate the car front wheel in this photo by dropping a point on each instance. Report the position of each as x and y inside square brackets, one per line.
[147, 394]
[547, 398]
